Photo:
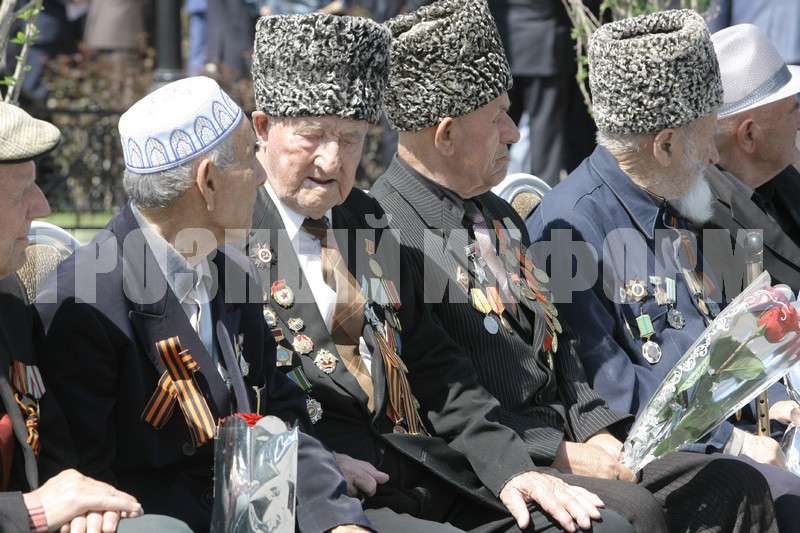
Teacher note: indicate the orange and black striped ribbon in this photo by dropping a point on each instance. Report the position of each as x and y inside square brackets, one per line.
[178, 384]
[401, 402]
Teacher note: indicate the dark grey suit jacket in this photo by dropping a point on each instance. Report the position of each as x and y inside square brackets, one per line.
[734, 211]
[543, 406]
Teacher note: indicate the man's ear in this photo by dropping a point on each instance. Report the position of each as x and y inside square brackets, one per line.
[261, 125]
[207, 178]
[747, 135]
[664, 146]
[443, 137]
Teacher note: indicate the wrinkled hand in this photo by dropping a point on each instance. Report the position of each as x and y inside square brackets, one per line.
[590, 460]
[361, 476]
[71, 495]
[764, 450]
[785, 411]
[567, 504]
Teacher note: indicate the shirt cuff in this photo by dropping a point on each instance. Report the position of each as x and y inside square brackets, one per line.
[36, 517]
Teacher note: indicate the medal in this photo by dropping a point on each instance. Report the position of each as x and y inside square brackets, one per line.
[701, 304]
[671, 290]
[325, 361]
[623, 293]
[636, 290]
[295, 324]
[392, 297]
[282, 294]
[490, 324]
[263, 257]
[303, 344]
[270, 316]
[658, 293]
[527, 292]
[462, 278]
[713, 307]
[373, 264]
[651, 352]
[283, 357]
[540, 275]
[481, 303]
[675, 318]
[314, 409]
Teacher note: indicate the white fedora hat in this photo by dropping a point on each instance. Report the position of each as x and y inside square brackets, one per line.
[753, 72]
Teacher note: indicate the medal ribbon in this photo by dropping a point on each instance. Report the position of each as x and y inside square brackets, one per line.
[26, 382]
[401, 402]
[177, 383]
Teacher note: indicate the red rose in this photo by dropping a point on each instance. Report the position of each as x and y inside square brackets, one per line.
[250, 418]
[768, 296]
[778, 321]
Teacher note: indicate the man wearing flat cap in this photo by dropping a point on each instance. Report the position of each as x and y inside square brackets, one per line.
[389, 392]
[626, 274]
[34, 439]
[467, 251]
[153, 293]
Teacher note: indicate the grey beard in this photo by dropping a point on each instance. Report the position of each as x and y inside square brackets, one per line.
[698, 204]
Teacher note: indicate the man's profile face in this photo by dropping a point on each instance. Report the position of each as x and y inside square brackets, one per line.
[780, 121]
[311, 162]
[21, 200]
[694, 150]
[482, 138]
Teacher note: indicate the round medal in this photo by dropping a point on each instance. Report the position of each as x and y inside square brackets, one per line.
[701, 304]
[303, 344]
[527, 292]
[399, 429]
[244, 366]
[540, 275]
[505, 323]
[490, 324]
[675, 318]
[557, 325]
[263, 257]
[651, 352]
[314, 409]
[375, 267]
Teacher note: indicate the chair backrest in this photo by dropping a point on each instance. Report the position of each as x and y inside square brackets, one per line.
[522, 191]
[48, 246]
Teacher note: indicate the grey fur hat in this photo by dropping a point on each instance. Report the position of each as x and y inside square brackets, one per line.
[653, 72]
[447, 60]
[318, 65]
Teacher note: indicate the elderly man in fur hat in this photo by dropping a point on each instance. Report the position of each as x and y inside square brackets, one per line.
[415, 434]
[153, 293]
[467, 248]
[626, 275]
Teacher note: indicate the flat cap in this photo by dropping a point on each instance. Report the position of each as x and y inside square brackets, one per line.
[23, 137]
[652, 72]
[447, 60]
[320, 65]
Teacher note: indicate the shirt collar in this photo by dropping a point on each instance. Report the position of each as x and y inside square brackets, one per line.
[180, 275]
[644, 208]
[292, 220]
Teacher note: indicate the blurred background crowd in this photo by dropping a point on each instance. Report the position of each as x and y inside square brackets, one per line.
[91, 59]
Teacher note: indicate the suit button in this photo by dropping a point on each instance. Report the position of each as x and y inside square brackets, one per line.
[188, 449]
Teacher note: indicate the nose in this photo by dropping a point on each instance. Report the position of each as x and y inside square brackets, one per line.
[511, 132]
[328, 158]
[37, 204]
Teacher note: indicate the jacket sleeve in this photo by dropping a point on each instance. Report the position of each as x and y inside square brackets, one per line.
[13, 513]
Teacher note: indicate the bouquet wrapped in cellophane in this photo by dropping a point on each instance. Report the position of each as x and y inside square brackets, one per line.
[751, 344]
[255, 475]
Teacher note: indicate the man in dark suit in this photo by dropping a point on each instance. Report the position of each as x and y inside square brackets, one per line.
[34, 440]
[467, 247]
[120, 311]
[390, 393]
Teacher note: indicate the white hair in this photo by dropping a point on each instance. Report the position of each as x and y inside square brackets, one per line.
[161, 189]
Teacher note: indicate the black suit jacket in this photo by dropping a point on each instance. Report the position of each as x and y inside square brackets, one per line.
[734, 210]
[101, 361]
[543, 406]
[467, 448]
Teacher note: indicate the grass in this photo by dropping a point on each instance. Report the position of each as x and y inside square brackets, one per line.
[82, 225]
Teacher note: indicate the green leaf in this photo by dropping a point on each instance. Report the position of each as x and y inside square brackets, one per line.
[19, 38]
[745, 366]
[723, 348]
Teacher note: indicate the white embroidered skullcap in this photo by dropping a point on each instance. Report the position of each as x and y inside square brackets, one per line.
[175, 124]
[753, 72]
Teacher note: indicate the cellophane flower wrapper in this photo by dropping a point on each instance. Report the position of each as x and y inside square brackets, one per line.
[255, 475]
[751, 344]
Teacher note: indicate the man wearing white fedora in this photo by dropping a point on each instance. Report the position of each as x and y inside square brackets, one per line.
[755, 182]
